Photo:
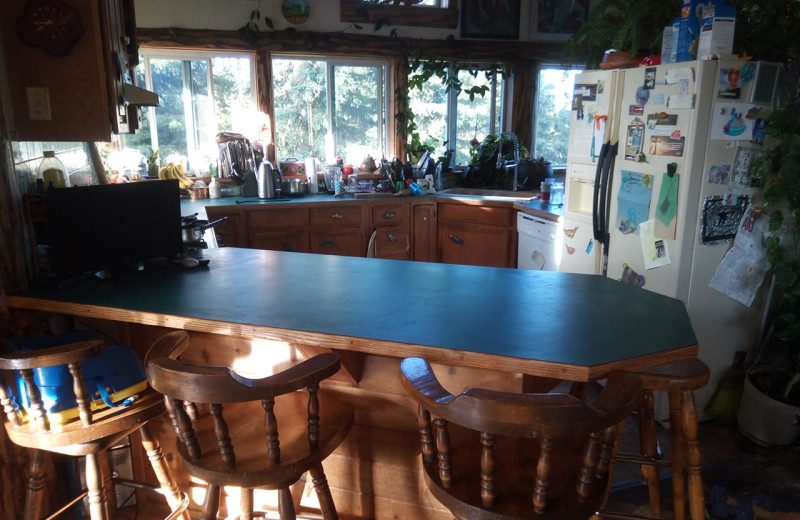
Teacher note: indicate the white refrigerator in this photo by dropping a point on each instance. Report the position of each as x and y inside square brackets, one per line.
[670, 147]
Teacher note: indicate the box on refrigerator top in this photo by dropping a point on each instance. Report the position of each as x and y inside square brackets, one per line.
[689, 33]
[716, 32]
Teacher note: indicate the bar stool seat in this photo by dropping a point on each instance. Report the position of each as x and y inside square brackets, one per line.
[89, 435]
[679, 380]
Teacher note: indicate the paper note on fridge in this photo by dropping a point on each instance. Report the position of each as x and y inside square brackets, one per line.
[633, 201]
[675, 75]
[731, 122]
[656, 253]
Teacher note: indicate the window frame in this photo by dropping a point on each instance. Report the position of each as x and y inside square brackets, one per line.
[185, 56]
[385, 105]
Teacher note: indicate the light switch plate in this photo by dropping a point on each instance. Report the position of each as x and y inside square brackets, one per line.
[38, 103]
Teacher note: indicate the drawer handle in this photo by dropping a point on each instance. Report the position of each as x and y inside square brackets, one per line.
[287, 247]
[337, 215]
[456, 239]
[389, 214]
[328, 243]
[392, 237]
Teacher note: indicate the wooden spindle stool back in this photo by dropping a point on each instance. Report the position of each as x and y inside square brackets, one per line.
[498, 455]
[90, 434]
[250, 433]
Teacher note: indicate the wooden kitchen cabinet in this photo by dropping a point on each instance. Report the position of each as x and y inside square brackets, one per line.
[392, 232]
[335, 229]
[476, 235]
[230, 233]
[78, 92]
[423, 232]
[278, 229]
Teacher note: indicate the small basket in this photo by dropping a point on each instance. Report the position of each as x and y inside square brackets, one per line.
[198, 193]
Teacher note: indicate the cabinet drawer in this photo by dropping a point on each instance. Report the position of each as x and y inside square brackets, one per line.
[336, 216]
[295, 241]
[389, 215]
[346, 242]
[393, 242]
[278, 218]
[475, 214]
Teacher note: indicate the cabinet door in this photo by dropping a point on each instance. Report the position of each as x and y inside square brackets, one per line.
[344, 242]
[474, 245]
[423, 236]
[295, 241]
[392, 242]
[229, 233]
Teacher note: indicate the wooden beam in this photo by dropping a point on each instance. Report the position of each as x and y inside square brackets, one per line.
[413, 15]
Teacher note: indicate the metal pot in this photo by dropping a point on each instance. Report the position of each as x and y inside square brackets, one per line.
[192, 230]
[294, 187]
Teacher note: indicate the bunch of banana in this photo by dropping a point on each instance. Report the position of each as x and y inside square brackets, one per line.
[173, 171]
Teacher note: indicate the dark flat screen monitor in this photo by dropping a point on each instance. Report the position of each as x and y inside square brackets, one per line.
[113, 226]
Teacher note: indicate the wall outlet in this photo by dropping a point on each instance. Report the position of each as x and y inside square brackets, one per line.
[38, 103]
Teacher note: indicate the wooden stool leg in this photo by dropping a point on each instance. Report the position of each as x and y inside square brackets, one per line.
[689, 422]
[323, 493]
[677, 444]
[163, 474]
[286, 504]
[94, 483]
[649, 447]
[34, 496]
[211, 505]
[246, 504]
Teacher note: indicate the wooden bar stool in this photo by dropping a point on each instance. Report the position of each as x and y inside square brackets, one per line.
[499, 456]
[679, 379]
[88, 434]
[242, 447]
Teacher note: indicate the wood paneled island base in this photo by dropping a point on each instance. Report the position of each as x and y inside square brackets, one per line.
[480, 326]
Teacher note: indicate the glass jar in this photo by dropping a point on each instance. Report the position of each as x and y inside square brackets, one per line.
[544, 190]
[51, 172]
[557, 193]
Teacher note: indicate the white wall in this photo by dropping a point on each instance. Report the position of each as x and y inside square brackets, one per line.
[232, 14]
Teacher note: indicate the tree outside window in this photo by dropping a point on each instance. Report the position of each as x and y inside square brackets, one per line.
[553, 104]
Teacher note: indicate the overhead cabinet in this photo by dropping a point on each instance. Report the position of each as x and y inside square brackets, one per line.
[69, 69]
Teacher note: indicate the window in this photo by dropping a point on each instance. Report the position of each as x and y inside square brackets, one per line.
[443, 116]
[201, 94]
[329, 108]
[553, 104]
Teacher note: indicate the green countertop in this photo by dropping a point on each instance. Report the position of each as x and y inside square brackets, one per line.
[456, 313]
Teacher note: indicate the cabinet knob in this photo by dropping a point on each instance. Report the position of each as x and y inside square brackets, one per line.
[424, 219]
[328, 243]
[287, 247]
[456, 239]
[389, 214]
[337, 215]
[392, 237]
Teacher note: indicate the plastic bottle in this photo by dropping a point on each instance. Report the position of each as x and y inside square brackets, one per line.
[214, 191]
[52, 172]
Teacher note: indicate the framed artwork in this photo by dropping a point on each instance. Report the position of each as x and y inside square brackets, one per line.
[557, 20]
[491, 19]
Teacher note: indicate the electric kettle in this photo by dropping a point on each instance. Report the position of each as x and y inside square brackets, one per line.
[269, 181]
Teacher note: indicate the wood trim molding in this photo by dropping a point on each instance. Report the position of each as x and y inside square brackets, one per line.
[413, 15]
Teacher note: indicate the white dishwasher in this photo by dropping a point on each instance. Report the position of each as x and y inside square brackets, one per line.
[538, 244]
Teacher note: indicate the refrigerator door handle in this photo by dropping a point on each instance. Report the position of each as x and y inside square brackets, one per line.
[605, 200]
[596, 195]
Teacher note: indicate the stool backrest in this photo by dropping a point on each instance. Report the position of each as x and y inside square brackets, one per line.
[186, 385]
[487, 454]
[26, 361]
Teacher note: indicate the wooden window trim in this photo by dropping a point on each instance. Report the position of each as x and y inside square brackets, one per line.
[418, 16]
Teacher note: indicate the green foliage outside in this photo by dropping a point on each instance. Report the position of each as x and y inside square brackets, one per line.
[300, 107]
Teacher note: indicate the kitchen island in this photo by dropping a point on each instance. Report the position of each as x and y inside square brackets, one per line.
[481, 326]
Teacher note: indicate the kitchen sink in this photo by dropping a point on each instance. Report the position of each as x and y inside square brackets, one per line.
[490, 193]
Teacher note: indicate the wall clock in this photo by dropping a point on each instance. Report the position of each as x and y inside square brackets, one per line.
[51, 25]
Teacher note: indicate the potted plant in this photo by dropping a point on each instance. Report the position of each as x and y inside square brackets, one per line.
[769, 412]
[483, 171]
[153, 161]
[627, 26]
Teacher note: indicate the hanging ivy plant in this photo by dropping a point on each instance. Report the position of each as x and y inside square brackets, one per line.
[419, 71]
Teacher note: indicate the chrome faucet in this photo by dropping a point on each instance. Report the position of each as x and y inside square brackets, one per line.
[506, 164]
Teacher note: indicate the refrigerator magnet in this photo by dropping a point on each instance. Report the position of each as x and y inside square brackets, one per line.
[634, 139]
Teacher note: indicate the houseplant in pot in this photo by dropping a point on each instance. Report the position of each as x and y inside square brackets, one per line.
[769, 412]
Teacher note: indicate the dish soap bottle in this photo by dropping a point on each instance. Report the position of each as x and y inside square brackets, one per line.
[214, 191]
[51, 172]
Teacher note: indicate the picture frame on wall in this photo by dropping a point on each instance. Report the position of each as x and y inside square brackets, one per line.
[490, 19]
[557, 20]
